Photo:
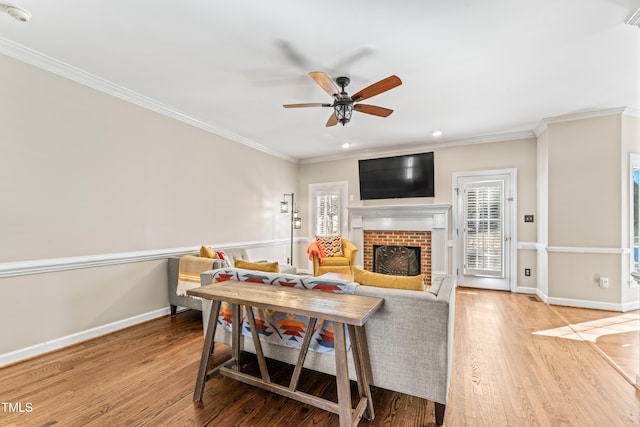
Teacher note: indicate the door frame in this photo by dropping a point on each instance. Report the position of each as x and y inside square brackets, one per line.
[511, 208]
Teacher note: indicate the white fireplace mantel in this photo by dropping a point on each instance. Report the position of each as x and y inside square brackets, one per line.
[427, 217]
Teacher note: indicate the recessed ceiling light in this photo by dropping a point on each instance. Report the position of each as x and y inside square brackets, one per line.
[16, 12]
[437, 133]
[346, 145]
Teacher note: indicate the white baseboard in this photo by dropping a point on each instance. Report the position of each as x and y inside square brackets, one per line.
[58, 343]
[630, 306]
[526, 290]
[597, 305]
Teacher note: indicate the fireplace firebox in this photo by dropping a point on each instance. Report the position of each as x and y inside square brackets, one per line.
[396, 260]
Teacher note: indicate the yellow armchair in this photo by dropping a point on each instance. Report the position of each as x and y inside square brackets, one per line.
[337, 264]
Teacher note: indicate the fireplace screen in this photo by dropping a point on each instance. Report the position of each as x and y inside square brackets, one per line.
[396, 260]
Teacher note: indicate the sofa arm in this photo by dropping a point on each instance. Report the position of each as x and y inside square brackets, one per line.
[350, 250]
[206, 277]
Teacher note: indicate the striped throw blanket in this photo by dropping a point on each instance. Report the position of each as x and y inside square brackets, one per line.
[189, 272]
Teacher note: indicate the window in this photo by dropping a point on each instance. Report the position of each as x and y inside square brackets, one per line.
[484, 231]
[328, 207]
[327, 215]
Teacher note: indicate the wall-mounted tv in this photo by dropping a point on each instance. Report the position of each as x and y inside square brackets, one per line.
[396, 177]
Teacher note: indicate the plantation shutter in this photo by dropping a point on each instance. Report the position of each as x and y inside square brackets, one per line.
[484, 229]
[328, 215]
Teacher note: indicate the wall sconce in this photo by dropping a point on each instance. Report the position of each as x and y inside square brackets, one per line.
[284, 205]
[296, 220]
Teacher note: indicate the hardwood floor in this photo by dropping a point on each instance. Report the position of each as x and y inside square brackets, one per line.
[504, 375]
[615, 335]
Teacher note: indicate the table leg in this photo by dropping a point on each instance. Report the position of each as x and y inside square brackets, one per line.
[358, 346]
[264, 371]
[236, 331]
[207, 351]
[342, 375]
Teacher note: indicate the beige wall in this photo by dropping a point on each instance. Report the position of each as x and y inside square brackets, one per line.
[85, 173]
[584, 177]
[588, 211]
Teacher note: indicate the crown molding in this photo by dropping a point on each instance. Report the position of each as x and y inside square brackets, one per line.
[32, 57]
[417, 147]
[626, 111]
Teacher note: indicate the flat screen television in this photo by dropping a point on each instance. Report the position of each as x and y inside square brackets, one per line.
[396, 177]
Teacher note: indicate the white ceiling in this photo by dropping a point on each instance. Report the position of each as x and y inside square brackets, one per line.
[469, 68]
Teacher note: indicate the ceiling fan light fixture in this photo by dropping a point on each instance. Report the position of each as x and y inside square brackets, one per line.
[343, 112]
[16, 12]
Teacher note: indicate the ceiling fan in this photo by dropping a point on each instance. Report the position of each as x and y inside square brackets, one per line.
[343, 104]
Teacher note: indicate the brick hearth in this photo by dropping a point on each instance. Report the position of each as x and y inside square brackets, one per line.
[399, 238]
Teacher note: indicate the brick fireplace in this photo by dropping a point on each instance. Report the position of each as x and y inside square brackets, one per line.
[424, 226]
[420, 239]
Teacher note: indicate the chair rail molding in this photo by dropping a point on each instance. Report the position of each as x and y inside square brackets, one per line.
[22, 268]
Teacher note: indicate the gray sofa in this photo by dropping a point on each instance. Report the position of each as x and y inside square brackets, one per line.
[194, 303]
[410, 341]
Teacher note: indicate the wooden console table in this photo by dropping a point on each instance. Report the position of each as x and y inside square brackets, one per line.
[350, 311]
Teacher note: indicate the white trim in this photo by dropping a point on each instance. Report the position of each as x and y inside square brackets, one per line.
[78, 75]
[526, 290]
[527, 246]
[587, 250]
[542, 126]
[542, 296]
[47, 346]
[631, 306]
[597, 305]
[21, 268]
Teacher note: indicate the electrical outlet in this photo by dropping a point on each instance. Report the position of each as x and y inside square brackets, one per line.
[604, 282]
[527, 272]
[528, 218]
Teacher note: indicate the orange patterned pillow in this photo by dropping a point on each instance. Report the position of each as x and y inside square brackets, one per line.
[330, 245]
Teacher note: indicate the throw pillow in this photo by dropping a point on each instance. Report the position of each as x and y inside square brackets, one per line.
[330, 245]
[269, 267]
[225, 258]
[367, 278]
[207, 252]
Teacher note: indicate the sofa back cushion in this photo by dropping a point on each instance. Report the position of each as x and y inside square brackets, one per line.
[270, 267]
[367, 278]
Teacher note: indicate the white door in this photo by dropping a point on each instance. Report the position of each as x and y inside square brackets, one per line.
[485, 230]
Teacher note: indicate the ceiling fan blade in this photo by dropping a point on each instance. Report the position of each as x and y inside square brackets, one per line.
[377, 88]
[314, 104]
[333, 120]
[325, 83]
[372, 109]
